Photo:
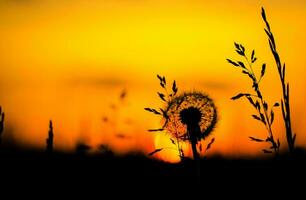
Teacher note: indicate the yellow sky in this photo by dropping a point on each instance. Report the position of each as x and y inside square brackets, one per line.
[69, 60]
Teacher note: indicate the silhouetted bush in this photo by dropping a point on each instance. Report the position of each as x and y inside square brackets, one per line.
[82, 148]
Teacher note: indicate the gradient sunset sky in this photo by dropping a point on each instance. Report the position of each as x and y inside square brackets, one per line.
[69, 61]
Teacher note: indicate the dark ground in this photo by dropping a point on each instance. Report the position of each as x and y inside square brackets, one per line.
[103, 172]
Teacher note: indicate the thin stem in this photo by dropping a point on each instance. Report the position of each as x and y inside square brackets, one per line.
[168, 96]
[253, 95]
[285, 86]
[250, 65]
[179, 148]
[267, 118]
[171, 148]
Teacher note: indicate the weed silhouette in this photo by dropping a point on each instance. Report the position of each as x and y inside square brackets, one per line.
[49, 140]
[166, 97]
[265, 115]
[1, 124]
[187, 117]
[106, 150]
[111, 119]
[281, 68]
[192, 117]
[82, 148]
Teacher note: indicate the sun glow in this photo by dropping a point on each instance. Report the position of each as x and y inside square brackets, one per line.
[170, 152]
[69, 61]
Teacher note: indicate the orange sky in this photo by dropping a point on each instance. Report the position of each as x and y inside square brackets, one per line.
[69, 61]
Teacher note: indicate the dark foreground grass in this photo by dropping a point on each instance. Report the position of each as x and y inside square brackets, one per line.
[30, 168]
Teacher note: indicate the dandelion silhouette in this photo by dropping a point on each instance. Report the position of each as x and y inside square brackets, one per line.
[190, 116]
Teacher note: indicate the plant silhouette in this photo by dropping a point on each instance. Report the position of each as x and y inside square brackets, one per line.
[49, 140]
[105, 150]
[187, 117]
[265, 115]
[1, 124]
[166, 96]
[281, 68]
[111, 119]
[191, 117]
[82, 148]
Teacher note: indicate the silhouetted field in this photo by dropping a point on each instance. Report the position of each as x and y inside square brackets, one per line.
[31, 168]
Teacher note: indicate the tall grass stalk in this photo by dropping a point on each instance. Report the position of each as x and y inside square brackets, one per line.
[265, 115]
[49, 140]
[281, 68]
[1, 124]
[264, 112]
[166, 96]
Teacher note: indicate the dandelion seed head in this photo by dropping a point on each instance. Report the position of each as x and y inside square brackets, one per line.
[192, 107]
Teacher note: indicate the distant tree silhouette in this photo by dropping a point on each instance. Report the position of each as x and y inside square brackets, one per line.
[1, 123]
[49, 140]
